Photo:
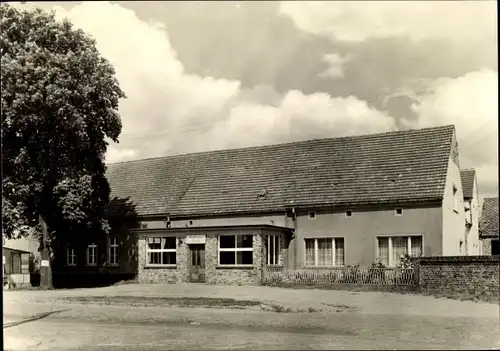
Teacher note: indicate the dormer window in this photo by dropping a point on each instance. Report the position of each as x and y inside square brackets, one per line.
[312, 215]
[399, 211]
[348, 213]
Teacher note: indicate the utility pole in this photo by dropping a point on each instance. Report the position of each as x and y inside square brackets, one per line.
[45, 269]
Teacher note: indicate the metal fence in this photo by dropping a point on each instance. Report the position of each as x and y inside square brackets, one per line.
[340, 275]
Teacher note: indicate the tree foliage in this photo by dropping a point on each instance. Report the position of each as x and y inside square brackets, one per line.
[59, 102]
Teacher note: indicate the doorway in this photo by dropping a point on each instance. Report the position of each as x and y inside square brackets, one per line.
[197, 266]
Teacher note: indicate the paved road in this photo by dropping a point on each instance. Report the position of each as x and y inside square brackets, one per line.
[188, 328]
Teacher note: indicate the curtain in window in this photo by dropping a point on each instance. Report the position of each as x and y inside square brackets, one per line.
[383, 250]
[416, 246]
[325, 252]
[399, 248]
[310, 260]
[339, 252]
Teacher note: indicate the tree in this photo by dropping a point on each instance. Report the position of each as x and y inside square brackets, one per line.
[59, 102]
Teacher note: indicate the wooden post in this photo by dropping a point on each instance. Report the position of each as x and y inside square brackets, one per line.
[45, 269]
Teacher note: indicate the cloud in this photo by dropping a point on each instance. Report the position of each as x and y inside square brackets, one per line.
[170, 111]
[336, 65]
[470, 102]
[418, 20]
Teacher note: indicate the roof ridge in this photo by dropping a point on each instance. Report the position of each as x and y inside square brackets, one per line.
[443, 127]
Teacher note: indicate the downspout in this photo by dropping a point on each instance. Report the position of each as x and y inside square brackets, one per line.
[294, 219]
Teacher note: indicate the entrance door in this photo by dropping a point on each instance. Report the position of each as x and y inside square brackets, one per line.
[197, 270]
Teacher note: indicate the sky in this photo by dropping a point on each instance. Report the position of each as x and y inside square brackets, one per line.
[203, 76]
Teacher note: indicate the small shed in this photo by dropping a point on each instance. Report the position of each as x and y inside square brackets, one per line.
[16, 267]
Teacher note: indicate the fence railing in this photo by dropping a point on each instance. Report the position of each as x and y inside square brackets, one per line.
[340, 275]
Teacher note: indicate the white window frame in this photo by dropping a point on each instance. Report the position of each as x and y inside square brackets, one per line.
[93, 261]
[148, 251]
[392, 263]
[316, 251]
[277, 240]
[113, 245]
[70, 256]
[235, 250]
[456, 200]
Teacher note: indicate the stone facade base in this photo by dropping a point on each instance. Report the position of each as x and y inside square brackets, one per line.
[213, 272]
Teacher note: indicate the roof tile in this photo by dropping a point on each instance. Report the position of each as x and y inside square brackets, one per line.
[488, 223]
[388, 167]
[468, 176]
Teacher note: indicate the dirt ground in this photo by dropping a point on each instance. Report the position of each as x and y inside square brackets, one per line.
[301, 299]
[160, 317]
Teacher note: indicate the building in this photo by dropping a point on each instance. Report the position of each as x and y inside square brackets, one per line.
[222, 216]
[471, 244]
[488, 226]
[19, 261]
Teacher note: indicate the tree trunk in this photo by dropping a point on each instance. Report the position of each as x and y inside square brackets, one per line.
[45, 269]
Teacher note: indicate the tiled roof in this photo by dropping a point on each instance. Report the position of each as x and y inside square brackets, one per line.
[468, 176]
[488, 223]
[404, 166]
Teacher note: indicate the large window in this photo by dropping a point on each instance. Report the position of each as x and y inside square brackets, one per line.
[70, 257]
[235, 250]
[161, 251]
[113, 250]
[390, 249]
[273, 250]
[324, 252]
[92, 254]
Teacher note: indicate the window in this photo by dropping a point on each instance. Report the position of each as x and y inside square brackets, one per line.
[70, 257]
[113, 250]
[16, 263]
[390, 249]
[399, 211]
[455, 199]
[324, 252]
[494, 247]
[92, 254]
[235, 250]
[273, 248]
[161, 251]
[348, 213]
[312, 215]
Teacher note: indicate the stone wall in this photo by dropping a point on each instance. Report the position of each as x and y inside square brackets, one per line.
[233, 275]
[178, 274]
[460, 276]
[214, 274]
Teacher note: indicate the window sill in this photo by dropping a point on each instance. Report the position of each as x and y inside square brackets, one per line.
[274, 265]
[70, 265]
[91, 265]
[235, 267]
[113, 265]
[324, 267]
[160, 266]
